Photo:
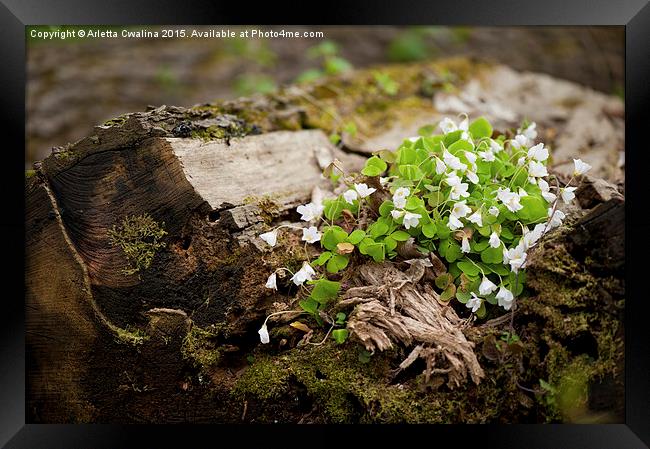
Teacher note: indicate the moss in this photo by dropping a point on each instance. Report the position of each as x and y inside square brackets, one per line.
[140, 238]
[116, 121]
[131, 336]
[269, 209]
[30, 174]
[200, 347]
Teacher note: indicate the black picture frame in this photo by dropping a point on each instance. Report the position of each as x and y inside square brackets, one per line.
[634, 15]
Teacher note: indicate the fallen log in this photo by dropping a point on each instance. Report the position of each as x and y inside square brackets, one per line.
[145, 275]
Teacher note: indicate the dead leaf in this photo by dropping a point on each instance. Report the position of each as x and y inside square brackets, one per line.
[300, 326]
[344, 248]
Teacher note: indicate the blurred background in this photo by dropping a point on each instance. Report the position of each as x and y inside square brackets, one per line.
[73, 85]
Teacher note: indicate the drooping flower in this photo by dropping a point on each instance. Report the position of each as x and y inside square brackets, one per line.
[411, 220]
[396, 213]
[447, 125]
[383, 181]
[270, 237]
[487, 156]
[531, 237]
[460, 209]
[464, 247]
[529, 132]
[454, 223]
[537, 169]
[505, 298]
[471, 157]
[264, 334]
[440, 167]
[522, 193]
[459, 191]
[476, 218]
[567, 194]
[580, 168]
[509, 199]
[521, 161]
[474, 303]
[304, 274]
[453, 180]
[453, 162]
[486, 287]
[538, 152]
[311, 234]
[495, 241]
[495, 146]
[472, 176]
[494, 211]
[271, 282]
[517, 258]
[363, 190]
[520, 141]
[399, 197]
[350, 196]
[310, 211]
[555, 218]
[544, 187]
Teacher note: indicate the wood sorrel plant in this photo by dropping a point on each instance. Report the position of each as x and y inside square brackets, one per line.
[478, 200]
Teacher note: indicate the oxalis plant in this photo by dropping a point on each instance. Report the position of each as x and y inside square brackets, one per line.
[476, 199]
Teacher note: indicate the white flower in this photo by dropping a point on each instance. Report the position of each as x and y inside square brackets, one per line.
[447, 125]
[531, 237]
[505, 298]
[383, 181]
[487, 156]
[495, 242]
[556, 218]
[537, 169]
[464, 125]
[264, 334]
[486, 287]
[350, 196]
[440, 167]
[471, 157]
[399, 197]
[522, 193]
[532, 180]
[310, 211]
[476, 218]
[509, 199]
[460, 209]
[548, 196]
[472, 176]
[495, 146]
[414, 138]
[270, 237]
[411, 220]
[363, 190]
[521, 161]
[453, 162]
[454, 223]
[271, 282]
[396, 213]
[453, 180]
[580, 167]
[530, 133]
[516, 258]
[311, 234]
[464, 247]
[494, 211]
[538, 152]
[458, 191]
[519, 141]
[304, 274]
[474, 303]
[567, 194]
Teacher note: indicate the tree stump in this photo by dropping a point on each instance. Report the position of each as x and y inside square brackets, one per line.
[145, 273]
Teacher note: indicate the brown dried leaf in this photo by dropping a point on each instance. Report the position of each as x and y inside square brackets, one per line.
[344, 248]
[300, 326]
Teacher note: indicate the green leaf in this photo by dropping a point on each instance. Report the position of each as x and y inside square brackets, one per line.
[340, 335]
[481, 312]
[325, 290]
[480, 245]
[453, 251]
[324, 257]
[332, 237]
[377, 229]
[460, 145]
[534, 208]
[449, 293]
[309, 305]
[468, 267]
[406, 156]
[340, 318]
[333, 208]
[372, 249]
[385, 208]
[426, 130]
[400, 236]
[492, 255]
[443, 281]
[462, 296]
[356, 236]
[390, 243]
[337, 263]
[410, 172]
[429, 230]
[480, 128]
[374, 167]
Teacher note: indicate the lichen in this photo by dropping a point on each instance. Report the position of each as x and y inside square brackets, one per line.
[131, 336]
[139, 237]
[116, 121]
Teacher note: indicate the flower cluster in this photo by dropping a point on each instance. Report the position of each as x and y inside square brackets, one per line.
[477, 199]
